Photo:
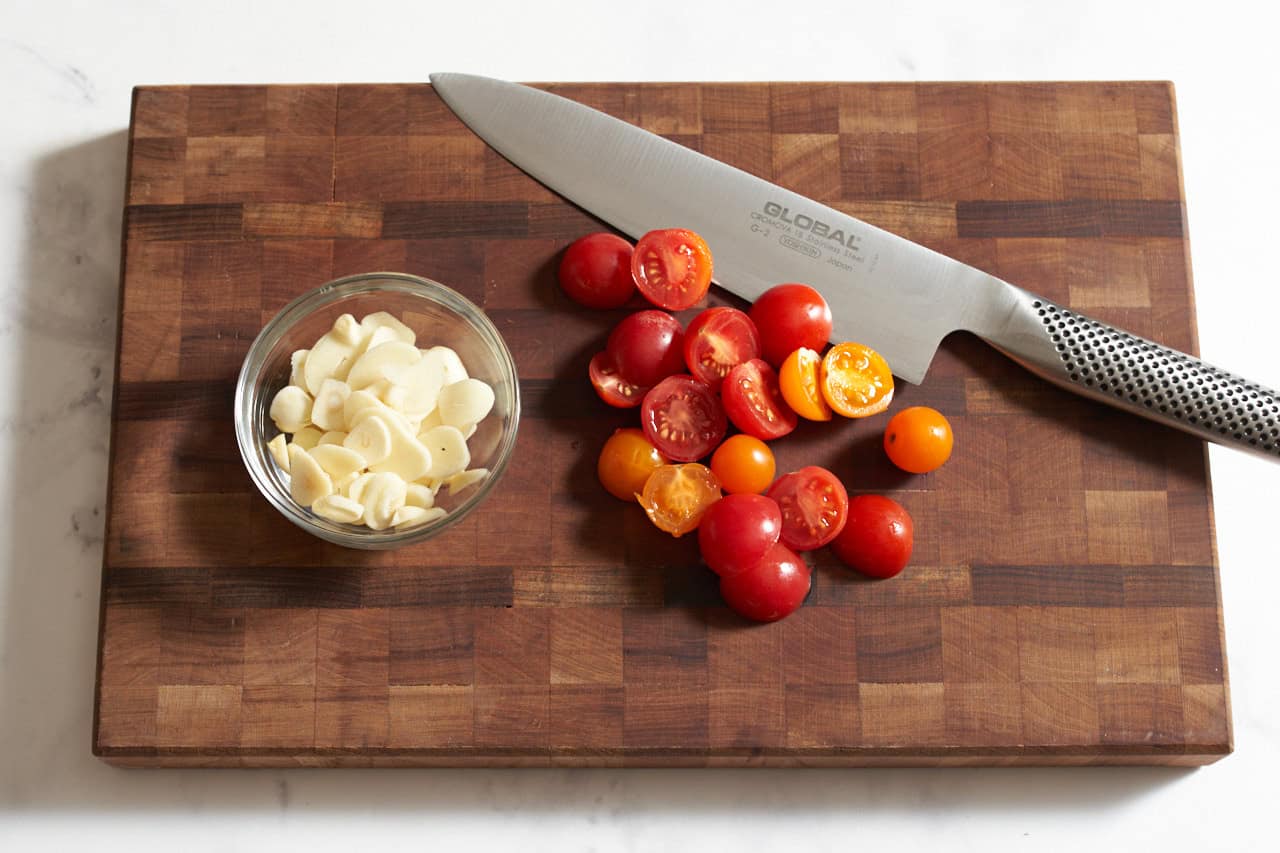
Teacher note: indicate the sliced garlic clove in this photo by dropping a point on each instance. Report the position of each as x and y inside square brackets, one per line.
[307, 437]
[307, 480]
[429, 420]
[468, 430]
[279, 451]
[409, 458]
[358, 402]
[383, 320]
[382, 335]
[413, 516]
[381, 497]
[338, 508]
[449, 452]
[340, 486]
[449, 362]
[465, 479]
[290, 409]
[355, 488]
[337, 461]
[371, 439]
[423, 380]
[327, 410]
[384, 361]
[333, 436]
[419, 495]
[349, 331]
[296, 362]
[330, 358]
[465, 402]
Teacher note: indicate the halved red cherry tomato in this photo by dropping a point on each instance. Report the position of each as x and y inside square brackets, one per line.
[856, 380]
[676, 496]
[611, 387]
[718, 340]
[918, 439]
[683, 418]
[878, 537]
[647, 347]
[626, 461]
[736, 532]
[672, 268]
[596, 271]
[754, 402]
[798, 380]
[743, 464]
[771, 589]
[790, 316]
[814, 507]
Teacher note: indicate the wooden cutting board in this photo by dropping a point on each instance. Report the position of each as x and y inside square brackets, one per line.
[1063, 602]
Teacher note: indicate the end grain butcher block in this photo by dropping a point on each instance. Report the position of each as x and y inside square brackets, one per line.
[1062, 605]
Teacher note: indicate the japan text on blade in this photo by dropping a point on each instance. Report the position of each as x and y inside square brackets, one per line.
[895, 295]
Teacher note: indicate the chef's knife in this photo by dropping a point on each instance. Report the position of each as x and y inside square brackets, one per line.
[885, 291]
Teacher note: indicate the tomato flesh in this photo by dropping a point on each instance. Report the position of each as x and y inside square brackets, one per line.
[754, 403]
[856, 380]
[672, 267]
[878, 537]
[596, 271]
[647, 347]
[771, 589]
[798, 380]
[790, 316]
[918, 439]
[683, 418]
[737, 531]
[626, 461]
[743, 464]
[718, 340]
[610, 386]
[814, 507]
[676, 497]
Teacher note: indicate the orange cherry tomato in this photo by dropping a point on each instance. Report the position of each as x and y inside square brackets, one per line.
[626, 461]
[799, 380]
[676, 496]
[918, 439]
[743, 464]
[856, 380]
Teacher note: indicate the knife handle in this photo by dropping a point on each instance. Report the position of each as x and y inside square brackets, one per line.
[1099, 361]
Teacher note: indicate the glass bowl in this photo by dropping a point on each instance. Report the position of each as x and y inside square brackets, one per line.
[439, 316]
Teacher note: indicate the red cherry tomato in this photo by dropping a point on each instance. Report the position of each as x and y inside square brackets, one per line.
[788, 317]
[611, 387]
[646, 347]
[672, 268]
[682, 418]
[737, 530]
[771, 589]
[878, 537]
[814, 507]
[718, 340]
[596, 271]
[754, 401]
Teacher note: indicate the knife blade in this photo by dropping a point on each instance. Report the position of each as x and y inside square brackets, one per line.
[885, 291]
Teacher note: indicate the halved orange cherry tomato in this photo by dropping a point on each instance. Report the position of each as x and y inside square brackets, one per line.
[799, 380]
[743, 464]
[626, 461]
[672, 268]
[856, 380]
[676, 496]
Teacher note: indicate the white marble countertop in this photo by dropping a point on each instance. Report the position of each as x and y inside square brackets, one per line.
[66, 70]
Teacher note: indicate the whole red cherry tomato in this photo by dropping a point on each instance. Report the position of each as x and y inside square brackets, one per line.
[878, 537]
[771, 589]
[736, 531]
[596, 271]
[647, 347]
[790, 316]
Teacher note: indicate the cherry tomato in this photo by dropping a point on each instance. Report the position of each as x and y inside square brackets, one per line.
[798, 380]
[682, 418]
[771, 589]
[878, 537]
[676, 496]
[596, 271]
[743, 465]
[814, 507]
[754, 402]
[611, 387]
[918, 439]
[856, 380]
[790, 316]
[626, 461]
[646, 347]
[718, 340]
[672, 268]
[736, 531]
